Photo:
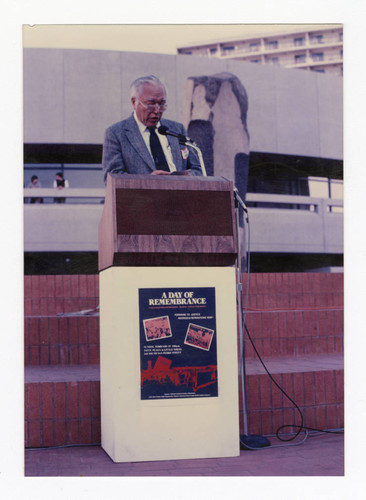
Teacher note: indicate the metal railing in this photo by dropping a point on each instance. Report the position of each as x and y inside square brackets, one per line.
[96, 195]
[75, 195]
[279, 223]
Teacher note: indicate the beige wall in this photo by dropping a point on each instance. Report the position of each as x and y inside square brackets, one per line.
[71, 96]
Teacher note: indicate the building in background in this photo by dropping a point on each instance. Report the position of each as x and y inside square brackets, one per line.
[319, 50]
[295, 181]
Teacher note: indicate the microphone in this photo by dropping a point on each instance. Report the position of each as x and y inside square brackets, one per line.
[185, 141]
[163, 130]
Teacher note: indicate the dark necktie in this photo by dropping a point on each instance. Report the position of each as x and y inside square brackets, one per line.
[157, 151]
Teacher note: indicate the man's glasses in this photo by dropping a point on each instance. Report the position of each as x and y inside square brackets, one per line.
[162, 105]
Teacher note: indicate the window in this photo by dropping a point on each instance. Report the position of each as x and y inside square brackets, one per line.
[255, 60]
[273, 60]
[213, 50]
[254, 47]
[340, 37]
[229, 49]
[317, 56]
[336, 189]
[319, 187]
[324, 187]
[272, 45]
[300, 58]
[316, 39]
[298, 41]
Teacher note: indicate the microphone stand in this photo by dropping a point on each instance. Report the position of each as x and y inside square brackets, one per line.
[186, 141]
[247, 441]
[239, 298]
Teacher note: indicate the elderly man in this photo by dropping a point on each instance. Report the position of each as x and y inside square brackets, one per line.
[133, 146]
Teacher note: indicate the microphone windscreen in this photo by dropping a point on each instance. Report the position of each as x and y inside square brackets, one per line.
[162, 129]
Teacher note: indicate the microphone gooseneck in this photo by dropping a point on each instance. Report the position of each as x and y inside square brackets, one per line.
[163, 130]
[184, 141]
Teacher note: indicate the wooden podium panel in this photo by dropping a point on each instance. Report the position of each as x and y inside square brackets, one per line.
[167, 221]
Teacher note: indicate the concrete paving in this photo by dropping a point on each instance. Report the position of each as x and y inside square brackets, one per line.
[318, 455]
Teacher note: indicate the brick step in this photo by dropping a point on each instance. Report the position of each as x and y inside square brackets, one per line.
[315, 383]
[62, 403]
[51, 294]
[73, 340]
[61, 340]
[295, 332]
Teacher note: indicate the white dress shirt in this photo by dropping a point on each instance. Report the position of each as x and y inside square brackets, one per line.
[145, 132]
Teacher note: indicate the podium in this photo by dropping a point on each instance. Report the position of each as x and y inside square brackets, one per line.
[168, 324]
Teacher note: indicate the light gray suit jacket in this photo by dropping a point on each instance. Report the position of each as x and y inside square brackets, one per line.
[125, 152]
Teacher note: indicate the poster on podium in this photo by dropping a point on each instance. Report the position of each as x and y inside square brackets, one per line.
[178, 343]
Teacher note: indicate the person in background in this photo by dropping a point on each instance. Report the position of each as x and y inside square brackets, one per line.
[60, 183]
[133, 146]
[35, 184]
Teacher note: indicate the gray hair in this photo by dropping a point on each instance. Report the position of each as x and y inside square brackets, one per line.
[142, 80]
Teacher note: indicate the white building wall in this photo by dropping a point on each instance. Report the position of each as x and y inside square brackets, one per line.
[71, 96]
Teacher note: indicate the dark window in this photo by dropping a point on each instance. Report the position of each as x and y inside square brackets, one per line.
[298, 41]
[254, 47]
[316, 39]
[317, 56]
[300, 58]
[272, 45]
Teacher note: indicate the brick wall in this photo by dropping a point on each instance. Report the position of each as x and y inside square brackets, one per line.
[295, 313]
[296, 319]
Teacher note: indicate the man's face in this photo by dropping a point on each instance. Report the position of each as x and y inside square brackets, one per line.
[149, 95]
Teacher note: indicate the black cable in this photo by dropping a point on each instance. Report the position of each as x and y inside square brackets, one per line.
[280, 388]
[301, 427]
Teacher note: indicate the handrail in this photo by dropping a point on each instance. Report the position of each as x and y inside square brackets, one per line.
[64, 193]
[99, 193]
[293, 200]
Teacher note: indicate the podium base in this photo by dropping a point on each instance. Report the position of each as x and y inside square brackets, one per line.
[159, 400]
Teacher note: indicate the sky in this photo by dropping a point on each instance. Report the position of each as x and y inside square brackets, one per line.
[152, 38]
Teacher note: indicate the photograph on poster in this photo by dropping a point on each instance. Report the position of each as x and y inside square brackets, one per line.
[157, 328]
[199, 337]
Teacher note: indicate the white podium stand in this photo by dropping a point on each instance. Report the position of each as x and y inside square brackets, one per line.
[160, 398]
[164, 429]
